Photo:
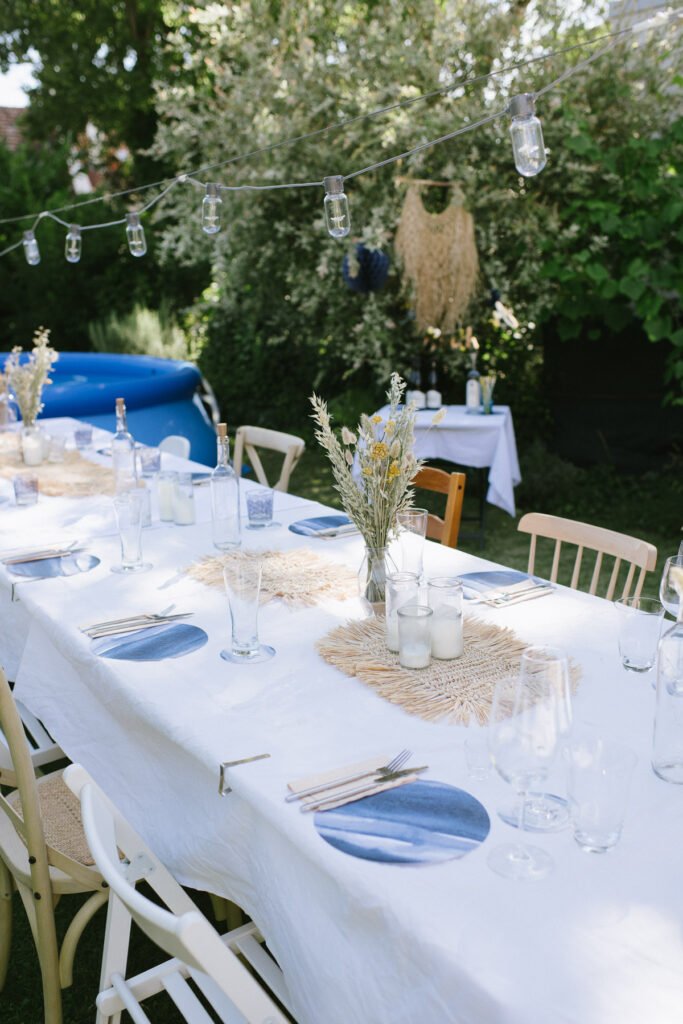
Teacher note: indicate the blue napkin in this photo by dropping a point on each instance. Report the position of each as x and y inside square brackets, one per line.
[493, 579]
[155, 643]
[310, 527]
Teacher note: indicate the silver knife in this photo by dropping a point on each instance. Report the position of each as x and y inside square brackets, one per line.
[134, 627]
[331, 798]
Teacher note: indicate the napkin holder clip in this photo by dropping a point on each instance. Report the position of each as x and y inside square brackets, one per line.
[223, 787]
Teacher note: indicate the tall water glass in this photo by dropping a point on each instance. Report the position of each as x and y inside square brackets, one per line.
[546, 668]
[640, 624]
[523, 738]
[411, 526]
[402, 589]
[598, 781]
[129, 508]
[243, 587]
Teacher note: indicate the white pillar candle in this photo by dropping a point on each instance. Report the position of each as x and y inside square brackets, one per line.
[446, 631]
[183, 507]
[415, 655]
[165, 492]
[32, 449]
[392, 632]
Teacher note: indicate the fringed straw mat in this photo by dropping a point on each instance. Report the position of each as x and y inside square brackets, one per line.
[455, 691]
[298, 577]
[75, 477]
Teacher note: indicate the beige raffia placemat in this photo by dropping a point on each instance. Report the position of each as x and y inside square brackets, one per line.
[75, 477]
[299, 576]
[455, 691]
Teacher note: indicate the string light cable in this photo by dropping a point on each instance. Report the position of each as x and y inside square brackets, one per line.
[525, 131]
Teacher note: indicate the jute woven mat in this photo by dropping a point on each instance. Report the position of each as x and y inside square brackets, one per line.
[297, 577]
[455, 691]
[75, 477]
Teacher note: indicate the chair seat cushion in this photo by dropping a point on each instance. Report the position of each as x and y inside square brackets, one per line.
[61, 814]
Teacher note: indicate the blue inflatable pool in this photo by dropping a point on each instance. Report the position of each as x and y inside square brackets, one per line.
[161, 397]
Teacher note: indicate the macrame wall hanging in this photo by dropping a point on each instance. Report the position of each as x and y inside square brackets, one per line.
[439, 258]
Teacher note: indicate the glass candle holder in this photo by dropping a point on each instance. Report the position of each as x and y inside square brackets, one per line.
[166, 490]
[83, 436]
[183, 500]
[25, 489]
[445, 600]
[401, 589]
[414, 636]
[150, 461]
[57, 446]
[259, 508]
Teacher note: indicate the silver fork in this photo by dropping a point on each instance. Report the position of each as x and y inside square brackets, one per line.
[386, 769]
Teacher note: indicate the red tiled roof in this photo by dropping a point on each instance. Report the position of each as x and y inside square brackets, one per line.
[9, 130]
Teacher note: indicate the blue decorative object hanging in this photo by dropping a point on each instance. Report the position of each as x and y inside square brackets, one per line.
[373, 267]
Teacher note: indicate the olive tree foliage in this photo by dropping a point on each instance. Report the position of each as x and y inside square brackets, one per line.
[278, 316]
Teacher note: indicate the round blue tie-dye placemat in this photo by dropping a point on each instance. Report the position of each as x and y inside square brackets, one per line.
[155, 643]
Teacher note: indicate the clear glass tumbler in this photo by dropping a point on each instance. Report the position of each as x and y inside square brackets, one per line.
[166, 491]
[129, 507]
[243, 587]
[183, 500]
[414, 636]
[25, 489]
[598, 781]
[640, 624]
[411, 526]
[260, 508]
[401, 589]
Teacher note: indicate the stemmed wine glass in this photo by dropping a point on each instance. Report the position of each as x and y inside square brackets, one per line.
[547, 667]
[523, 738]
[671, 587]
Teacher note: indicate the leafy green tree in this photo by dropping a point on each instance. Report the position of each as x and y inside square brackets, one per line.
[278, 310]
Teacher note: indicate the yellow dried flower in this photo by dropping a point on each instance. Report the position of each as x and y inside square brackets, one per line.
[438, 416]
[376, 419]
[390, 427]
[367, 470]
[394, 470]
[379, 451]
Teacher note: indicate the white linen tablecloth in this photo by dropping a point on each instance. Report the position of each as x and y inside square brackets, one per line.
[599, 942]
[473, 440]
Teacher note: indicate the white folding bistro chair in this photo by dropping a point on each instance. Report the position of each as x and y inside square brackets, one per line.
[203, 962]
[631, 551]
[248, 439]
[175, 444]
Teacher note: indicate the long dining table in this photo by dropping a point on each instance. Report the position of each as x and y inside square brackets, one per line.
[598, 942]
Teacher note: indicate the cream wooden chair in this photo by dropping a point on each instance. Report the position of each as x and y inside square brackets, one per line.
[447, 529]
[42, 748]
[202, 959]
[175, 444]
[44, 854]
[633, 552]
[248, 439]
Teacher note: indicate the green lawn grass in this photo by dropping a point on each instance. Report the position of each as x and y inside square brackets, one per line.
[647, 507]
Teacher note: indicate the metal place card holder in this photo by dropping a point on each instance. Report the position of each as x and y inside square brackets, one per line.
[223, 788]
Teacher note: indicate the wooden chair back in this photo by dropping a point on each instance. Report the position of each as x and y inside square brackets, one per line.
[248, 439]
[42, 748]
[176, 926]
[452, 485]
[634, 553]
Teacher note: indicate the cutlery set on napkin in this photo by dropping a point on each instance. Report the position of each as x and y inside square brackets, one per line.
[516, 594]
[131, 623]
[17, 556]
[327, 790]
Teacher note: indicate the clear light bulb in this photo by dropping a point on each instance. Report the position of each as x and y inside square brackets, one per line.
[211, 210]
[31, 250]
[337, 219]
[527, 136]
[136, 235]
[72, 245]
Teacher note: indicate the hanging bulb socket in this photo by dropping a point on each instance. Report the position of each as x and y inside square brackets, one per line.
[211, 209]
[31, 250]
[526, 133]
[135, 234]
[72, 245]
[337, 219]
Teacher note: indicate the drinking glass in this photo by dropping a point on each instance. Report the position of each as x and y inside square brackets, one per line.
[260, 508]
[129, 507]
[402, 589]
[243, 586]
[414, 636]
[411, 526]
[56, 448]
[598, 781]
[150, 462]
[523, 738]
[546, 668]
[445, 600]
[25, 489]
[640, 623]
[83, 436]
[166, 491]
[671, 587]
